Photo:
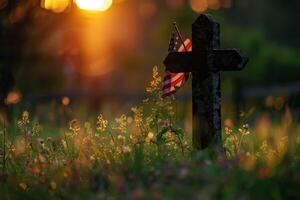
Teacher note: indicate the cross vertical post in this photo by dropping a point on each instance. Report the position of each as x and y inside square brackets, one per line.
[206, 96]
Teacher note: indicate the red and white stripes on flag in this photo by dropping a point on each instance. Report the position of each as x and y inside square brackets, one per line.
[173, 81]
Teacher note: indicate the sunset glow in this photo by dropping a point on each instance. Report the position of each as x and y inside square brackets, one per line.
[94, 5]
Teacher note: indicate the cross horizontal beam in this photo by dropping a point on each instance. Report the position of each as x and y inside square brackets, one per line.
[179, 62]
[224, 60]
[229, 59]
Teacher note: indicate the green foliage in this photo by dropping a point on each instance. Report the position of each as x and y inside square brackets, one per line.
[266, 57]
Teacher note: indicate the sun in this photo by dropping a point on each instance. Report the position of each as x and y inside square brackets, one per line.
[94, 5]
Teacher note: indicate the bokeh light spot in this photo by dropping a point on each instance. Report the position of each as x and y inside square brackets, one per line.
[65, 101]
[199, 6]
[56, 6]
[94, 5]
[13, 98]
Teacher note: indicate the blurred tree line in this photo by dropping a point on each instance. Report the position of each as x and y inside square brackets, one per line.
[265, 30]
[20, 60]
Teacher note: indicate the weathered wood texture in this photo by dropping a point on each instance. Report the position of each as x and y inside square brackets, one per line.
[206, 91]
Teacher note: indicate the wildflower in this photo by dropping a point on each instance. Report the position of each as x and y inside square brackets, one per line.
[145, 101]
[133, 139]
[101, 123]
[64, 143]
[150, 135]
[149, 121]
[74, 126]
[24, 121]
[156, 81]
[10, 147]
[264, 146]
[138, 116]
[41, 142]
[121, 124]
[168, 135]
[282, 144]
[246, 126]
[125, 149]
[121, 137]
[244, 130]
[25, 116]
[228, 131]
[23, 185]
[159, 120]
[171, 110]
[92, 158]
[49, 139]
[36, 129]
[166, 124]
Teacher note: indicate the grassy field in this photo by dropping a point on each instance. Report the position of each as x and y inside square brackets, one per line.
[145, 155]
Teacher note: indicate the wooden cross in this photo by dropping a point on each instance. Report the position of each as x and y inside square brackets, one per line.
[205, 62]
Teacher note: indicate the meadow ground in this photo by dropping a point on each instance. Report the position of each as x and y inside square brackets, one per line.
[146, 155]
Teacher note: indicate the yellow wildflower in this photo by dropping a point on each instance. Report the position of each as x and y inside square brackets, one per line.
[64, 143]
[36, 129]
[101, 123]
[121, 124]
[138, 116]
[23, 185]
[228, 131]
[74, 126]
[150, 135]
[121, 137]
[155, 84]
[25, 120]
[264, 146]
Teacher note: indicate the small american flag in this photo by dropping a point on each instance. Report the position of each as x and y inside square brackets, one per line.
[173, 81]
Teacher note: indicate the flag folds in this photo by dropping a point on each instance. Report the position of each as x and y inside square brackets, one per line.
[173, 81]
